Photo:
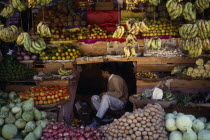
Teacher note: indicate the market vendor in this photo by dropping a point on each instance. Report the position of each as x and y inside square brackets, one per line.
[114, 99]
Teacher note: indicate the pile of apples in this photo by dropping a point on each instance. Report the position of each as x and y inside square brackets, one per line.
[43, 95]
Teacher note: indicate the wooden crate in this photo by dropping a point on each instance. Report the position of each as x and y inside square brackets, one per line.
[104, 6]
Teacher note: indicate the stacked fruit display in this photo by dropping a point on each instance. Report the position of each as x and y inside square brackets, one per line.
[59, 17]
[63, 35]
[64, 52]
[46, 94]
[159, 28]
[20, 120]
[147, 123]
[11, 69]
[9, 34]
[92, 32]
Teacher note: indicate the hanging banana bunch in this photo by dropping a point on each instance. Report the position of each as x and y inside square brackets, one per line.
[45, 2]
[174, 9]
[132, 27]
[203, 28]
[9, 34]
[154, 2]
[131, 42]
[189, 12]
[206, 44]
[154, 43]
[43, 29]
[143, 27]
[7, 11]
[131, 4]
[118, 33]
[188, 31]
[201, 5]
[194, 46]
[19, 4]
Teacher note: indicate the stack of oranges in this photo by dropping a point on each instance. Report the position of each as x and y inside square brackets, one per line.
[64, 52]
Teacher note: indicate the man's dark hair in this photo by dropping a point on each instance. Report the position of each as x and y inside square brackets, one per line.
[106, 67]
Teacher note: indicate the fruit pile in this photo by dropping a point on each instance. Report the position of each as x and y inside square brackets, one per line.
[11, 69]
[62, 35]
[64, 52]
[146, 74]
[160, 28]
[46, 94]
[92, 32]
[58, 16]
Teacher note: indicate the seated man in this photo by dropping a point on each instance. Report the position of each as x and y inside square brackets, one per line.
[115, 98]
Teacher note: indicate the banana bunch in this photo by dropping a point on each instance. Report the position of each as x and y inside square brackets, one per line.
[19, 4]
[133, 27]
[142, 1]
[21, 38]
[131, 40]
[154, 43]
[129, 52]
[7, 11]
[189, 12]
[188, 31]
[147, 74]
[201, 5]
[118, 33]
[9, 34]
[45, 2]
[154, 2]
[203, 28]
[64, 72]
[32, 3]
[206, 44]
[143, 27]
[43, 29]
[131, 4]
[174, 9]
[35, 45]
[193, 46]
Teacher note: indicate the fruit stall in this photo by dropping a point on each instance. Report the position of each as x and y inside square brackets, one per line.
[50, 57]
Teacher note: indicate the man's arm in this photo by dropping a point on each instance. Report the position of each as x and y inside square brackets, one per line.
[117, 87]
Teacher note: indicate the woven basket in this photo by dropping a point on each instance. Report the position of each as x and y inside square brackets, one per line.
[139, 103]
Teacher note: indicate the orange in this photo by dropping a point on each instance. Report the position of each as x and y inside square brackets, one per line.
[60, 50]
[63, 58]
[62, 54]
[59, 57]
[69, 50]
[66, 53]
[68, 57]
[57, 54]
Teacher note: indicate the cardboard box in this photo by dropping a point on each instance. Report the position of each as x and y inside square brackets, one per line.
[104, 6]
